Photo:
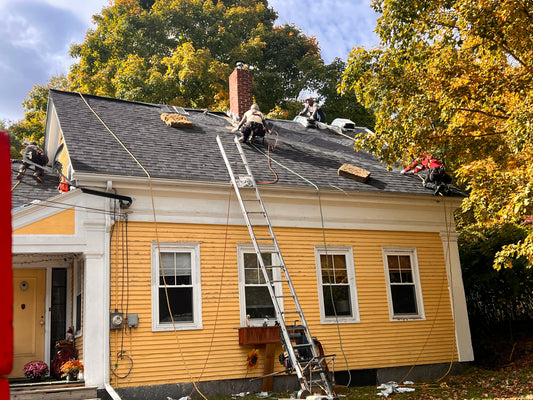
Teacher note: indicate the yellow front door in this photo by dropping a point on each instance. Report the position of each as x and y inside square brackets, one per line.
[28, 317]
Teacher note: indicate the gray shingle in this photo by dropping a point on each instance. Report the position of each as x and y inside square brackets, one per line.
[193, 154]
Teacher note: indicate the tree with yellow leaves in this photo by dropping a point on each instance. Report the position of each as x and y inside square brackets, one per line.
[455, 77]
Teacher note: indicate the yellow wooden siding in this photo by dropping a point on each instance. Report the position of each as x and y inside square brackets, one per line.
[214, 353]
[63, 157]
[63, 223]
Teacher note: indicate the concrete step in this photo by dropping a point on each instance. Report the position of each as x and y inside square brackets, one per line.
[53, 392]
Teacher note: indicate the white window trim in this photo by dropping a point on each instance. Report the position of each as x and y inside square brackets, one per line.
[194, 249]
[346, 251]
[412, 253]
[243, 248]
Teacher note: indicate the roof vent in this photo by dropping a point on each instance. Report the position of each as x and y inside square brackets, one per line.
[344, 124]
[174, 109]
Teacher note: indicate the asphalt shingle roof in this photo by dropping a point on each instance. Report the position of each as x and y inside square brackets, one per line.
[28, 189]
[193, 154]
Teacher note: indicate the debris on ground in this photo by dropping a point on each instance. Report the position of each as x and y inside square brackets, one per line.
[392, 387]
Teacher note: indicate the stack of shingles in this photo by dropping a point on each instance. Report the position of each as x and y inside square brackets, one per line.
[176, 120]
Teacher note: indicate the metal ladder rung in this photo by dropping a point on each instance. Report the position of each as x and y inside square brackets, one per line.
[291, 312]
[264, 238]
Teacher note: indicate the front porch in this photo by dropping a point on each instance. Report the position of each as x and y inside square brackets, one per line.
[48, 389]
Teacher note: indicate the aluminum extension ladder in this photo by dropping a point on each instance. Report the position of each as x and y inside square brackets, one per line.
[312, 370]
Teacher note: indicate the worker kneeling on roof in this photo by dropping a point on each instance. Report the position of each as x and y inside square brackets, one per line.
[313, 111]
[253, 124]
[34, 154]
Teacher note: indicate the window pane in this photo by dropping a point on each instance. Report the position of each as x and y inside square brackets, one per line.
[181, 304]
[258, 302]
[333, 269]
[177, 269]
[400, 269]
[252, 270]
[404, 299]
[341, 295]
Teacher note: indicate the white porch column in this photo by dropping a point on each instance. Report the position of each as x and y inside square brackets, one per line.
[457, 296]
[95, 308]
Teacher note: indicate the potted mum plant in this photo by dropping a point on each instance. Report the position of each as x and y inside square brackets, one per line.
[35, 370]
[71, 369]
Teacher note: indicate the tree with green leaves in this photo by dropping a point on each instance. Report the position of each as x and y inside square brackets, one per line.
[455, 77]
[182, 52]
[35, 107]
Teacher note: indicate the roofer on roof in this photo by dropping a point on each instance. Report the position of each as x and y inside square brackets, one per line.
[35, 155]
[252, 123]
[436, 179]
[313, 110]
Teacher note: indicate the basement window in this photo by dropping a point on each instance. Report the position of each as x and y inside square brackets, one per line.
[337, 291]
[176, 292]
[403, 284]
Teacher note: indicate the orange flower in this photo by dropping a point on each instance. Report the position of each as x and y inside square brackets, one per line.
[253, 357]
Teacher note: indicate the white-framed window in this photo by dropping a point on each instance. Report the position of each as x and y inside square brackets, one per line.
[78, 293]
[254, 296]
[176, 277]
[337, 292]
[403, 283]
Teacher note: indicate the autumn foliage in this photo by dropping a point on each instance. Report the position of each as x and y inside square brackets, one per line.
[456, 78]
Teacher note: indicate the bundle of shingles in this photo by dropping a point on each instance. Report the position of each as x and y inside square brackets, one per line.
[353, 172]
[176, 120]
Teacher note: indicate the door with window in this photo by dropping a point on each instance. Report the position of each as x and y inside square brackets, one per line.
[29, 288]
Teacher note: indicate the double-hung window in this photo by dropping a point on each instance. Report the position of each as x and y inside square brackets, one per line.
[403, 283]
[337, 292]
[255, 299]
[176, 292]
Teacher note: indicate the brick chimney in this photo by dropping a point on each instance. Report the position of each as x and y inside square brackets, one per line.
[240, 90]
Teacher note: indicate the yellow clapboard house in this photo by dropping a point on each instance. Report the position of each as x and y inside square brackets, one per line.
[149, 260]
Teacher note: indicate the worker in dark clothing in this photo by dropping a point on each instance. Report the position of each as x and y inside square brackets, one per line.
[36, 155]
[313, 111]
[253, 124]
[436, 177]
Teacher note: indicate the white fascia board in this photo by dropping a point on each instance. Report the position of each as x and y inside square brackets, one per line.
[200, 202]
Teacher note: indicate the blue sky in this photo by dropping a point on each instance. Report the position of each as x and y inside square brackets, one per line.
[36, 36]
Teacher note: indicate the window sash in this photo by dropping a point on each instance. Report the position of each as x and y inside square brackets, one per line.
[254, 295]
[176, 273]
[403, 284]
[336, 283]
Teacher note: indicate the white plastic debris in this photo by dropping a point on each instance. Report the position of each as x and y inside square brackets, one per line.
[241, 394]
[392, 387]
[262, 395]
[408, 383]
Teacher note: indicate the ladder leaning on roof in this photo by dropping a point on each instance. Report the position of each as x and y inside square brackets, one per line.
[303, 356]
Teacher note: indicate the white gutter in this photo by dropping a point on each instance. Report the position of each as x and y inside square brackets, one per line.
[108, 225]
